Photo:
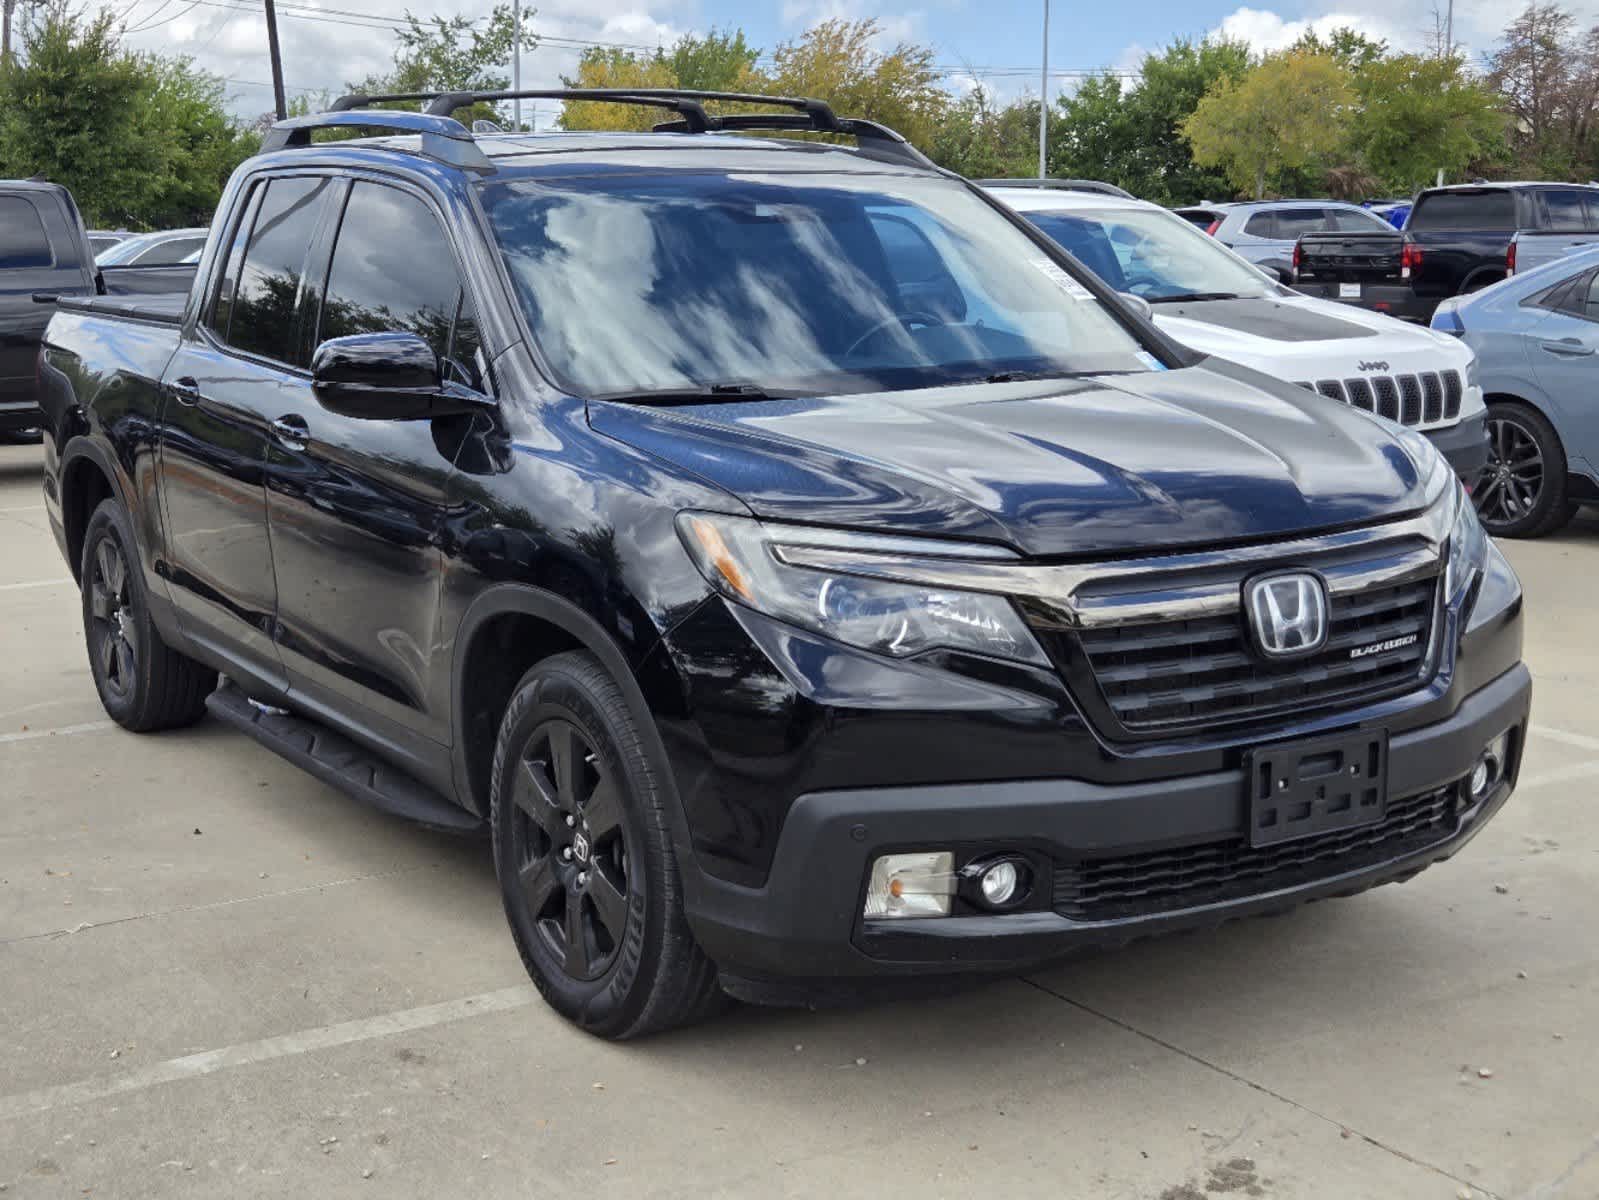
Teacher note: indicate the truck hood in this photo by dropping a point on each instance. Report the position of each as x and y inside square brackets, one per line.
[1114, 464]
[1297, 338]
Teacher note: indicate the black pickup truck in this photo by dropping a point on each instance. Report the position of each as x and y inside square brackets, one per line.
[806, 572]
[1364, 269]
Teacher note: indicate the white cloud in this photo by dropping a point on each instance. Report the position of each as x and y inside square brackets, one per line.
[1266, 31]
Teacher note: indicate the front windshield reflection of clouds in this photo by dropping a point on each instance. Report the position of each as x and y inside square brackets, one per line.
[790, 282]
[1149, 254]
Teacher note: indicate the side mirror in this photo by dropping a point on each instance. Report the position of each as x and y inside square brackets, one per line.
[386, 377]
[1138, 304]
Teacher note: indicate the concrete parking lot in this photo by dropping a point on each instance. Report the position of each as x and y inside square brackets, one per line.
[220, 978]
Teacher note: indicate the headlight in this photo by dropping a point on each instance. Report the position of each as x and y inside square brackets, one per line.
[1468, 548]
[743, 560]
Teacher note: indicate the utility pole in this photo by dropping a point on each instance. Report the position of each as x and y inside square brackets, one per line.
[1449, 29]
[1043, 95]
[277, 60]
[516, 63]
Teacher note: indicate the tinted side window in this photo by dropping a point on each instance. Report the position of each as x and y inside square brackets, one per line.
[393, 270]
[165, 254]
[1490, 210]
[22, 239]
[1291, 222]
[1568, 210]
[1261, 225]
[262, 321]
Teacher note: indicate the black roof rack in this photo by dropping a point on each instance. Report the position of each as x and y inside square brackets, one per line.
[1061, 185]
[443, 138]
[810, 116]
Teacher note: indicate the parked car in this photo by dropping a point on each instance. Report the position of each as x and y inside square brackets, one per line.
[1369, 269]
[167, 248]
[1465, 238]
[1392, 211]
[1208, 298]
[1537, 338]
[42, 246]
[1264, 231]
[810, 574]
[101, 240]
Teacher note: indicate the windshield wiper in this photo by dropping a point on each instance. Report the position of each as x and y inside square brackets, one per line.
[1024, 376]
[711, 393]
[1184, 297]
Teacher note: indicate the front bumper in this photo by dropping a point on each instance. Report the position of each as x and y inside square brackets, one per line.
[804, 924]
[1464, 445]
[1397, 300]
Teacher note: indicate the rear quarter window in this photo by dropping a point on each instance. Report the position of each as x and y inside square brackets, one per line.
[23, 242]
[1488, 210]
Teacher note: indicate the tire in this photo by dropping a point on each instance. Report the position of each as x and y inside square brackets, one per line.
[1521, 492]
[583, 851]
[143, 683]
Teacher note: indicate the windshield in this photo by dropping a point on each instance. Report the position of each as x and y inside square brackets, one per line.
[1151, 253]
[122, 251]
[789, 283]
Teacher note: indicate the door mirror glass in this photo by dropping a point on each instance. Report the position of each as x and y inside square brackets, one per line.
[391, 376]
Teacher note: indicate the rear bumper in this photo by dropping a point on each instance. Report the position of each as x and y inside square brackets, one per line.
[1464, 445]
[1397, 300]
[803, 927]
[20, 414]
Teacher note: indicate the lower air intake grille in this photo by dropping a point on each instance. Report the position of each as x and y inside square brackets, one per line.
[1139, 885]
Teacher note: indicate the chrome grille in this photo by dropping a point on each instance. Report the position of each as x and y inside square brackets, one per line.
[1171, 675]
[1427, 398]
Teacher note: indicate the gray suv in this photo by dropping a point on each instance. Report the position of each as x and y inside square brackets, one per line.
[1265, 231]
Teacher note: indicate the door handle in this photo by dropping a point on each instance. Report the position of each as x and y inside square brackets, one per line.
[1568, 347]
[291, 431]
[185, 389]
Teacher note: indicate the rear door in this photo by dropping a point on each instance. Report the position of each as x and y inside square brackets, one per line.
[357, 505]
[1564, 350]
[236, 374]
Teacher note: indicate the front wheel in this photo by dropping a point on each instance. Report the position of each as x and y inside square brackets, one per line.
[1522, 489]
[584, 856]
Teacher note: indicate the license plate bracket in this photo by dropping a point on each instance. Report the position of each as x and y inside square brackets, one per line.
[1301, 789]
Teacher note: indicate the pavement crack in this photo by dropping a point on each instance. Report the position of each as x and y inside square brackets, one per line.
[1200, 1060]
[85, 926]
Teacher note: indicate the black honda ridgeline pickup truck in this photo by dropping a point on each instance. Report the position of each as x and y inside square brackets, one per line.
[809, 573]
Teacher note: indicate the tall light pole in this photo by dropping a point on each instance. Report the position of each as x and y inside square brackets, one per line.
[516, 63]
[1043, 95]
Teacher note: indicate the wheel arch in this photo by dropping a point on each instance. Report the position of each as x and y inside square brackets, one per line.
[88, 476]
[1480, 278]
[505, 631]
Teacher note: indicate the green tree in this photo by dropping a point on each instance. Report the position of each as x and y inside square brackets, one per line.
[140, 140]
[1130, 134]
[1419, 113]
[981, 141]
[716, 62]
[1287, 113]
[837, 61]
[1350, 47]
[454, 54]
[608, 67]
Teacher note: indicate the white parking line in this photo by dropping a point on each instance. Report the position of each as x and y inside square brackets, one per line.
[28, 735]
[37, 583]
[192, 1066]
[1580, 740]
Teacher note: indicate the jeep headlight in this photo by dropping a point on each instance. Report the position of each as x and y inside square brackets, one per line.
[762, 567]
[1468, 548]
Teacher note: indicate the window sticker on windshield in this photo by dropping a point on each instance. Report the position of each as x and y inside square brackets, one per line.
[1150, 361]
[1061, 279]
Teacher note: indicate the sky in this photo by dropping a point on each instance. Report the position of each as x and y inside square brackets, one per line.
[994, 42]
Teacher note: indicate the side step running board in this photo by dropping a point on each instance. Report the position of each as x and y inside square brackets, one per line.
[336, 760]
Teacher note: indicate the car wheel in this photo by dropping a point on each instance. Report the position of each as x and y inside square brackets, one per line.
[143, 683]
[584, 856]
[1522, 489]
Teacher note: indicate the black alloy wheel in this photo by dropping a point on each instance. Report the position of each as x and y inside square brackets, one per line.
[113, 625]
[1521, 491]
[572, 852]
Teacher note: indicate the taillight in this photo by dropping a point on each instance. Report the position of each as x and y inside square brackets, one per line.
[1409, 260]
[1296, 256]
[1510, 259]
[1213, 227]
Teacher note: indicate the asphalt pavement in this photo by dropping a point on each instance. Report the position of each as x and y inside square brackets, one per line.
[219, 977]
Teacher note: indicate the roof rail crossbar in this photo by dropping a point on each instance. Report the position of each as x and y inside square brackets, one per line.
[1061, 185]
[873, 140]
[442, 138]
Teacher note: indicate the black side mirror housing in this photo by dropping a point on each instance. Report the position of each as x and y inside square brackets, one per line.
[392, 376]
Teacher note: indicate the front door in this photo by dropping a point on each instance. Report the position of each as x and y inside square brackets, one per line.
[231, 381]
[356, 505]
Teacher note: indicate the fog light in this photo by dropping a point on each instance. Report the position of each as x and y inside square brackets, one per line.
[999, 883]
[1490, 767]
[911, 885]
[1481, 777]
